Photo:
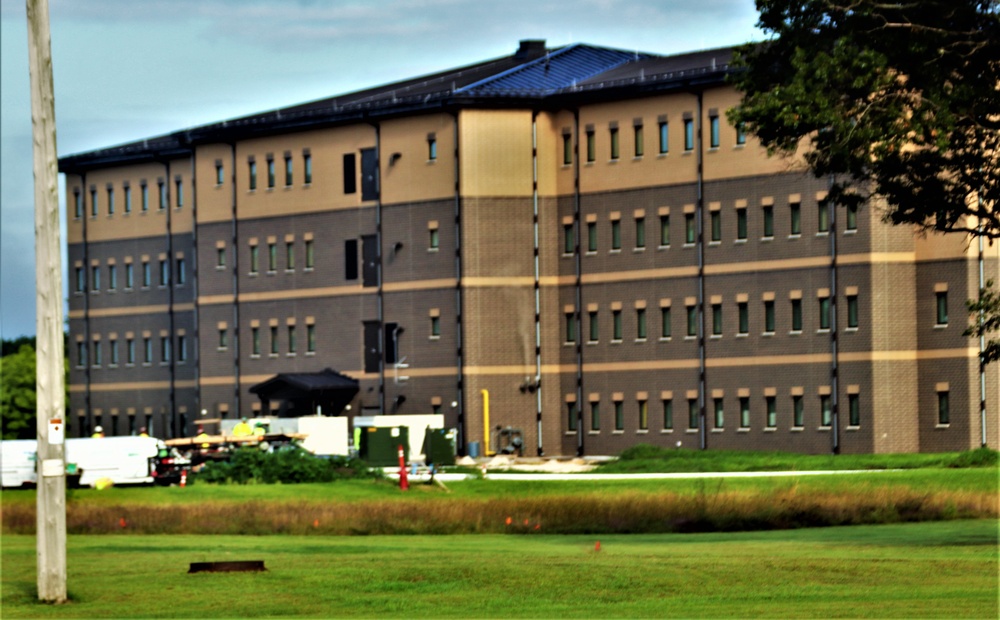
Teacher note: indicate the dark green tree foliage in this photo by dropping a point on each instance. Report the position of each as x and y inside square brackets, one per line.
[895, 100]
[988, 307]
[17, 393]
[288, 466]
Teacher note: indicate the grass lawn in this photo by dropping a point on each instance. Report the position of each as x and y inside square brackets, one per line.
[945, 569]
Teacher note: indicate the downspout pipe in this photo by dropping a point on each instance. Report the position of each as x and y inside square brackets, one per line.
[537, 283]
[86, 309]
[176, 430]
[577, 285]
[234, 245]
[195, 339]
[459, 353]
[982, 337]
[379, 294]
[699, 219]
[834, 336]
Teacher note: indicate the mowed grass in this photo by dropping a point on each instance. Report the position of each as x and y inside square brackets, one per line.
[926, 570]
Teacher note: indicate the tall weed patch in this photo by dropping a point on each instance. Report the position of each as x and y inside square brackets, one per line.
[287, 466]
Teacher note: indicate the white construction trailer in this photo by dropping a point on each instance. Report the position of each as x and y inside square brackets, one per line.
[123, 460]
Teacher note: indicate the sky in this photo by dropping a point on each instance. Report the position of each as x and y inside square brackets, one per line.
[131, 69]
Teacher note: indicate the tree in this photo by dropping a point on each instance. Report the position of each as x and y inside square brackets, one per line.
[17, 394]
[898, 103]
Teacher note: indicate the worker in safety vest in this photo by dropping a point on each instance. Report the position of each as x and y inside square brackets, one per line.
[98, 432]
[242, 429]
[143, 433]
[201, 436]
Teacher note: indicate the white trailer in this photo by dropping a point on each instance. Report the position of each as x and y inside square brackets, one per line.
[17, 463]
[123, 460]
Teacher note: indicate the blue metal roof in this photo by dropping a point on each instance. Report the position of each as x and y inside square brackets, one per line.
[562, 68]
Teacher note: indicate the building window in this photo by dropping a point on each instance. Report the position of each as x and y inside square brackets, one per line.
[591, 146]
[795, 216]
[81, 354]
[720, 413]
[593, 326]
[570, 327]
[223, 338]
[768, 222]
[744, 412]
[164, 273]
[310, 254]
[852, 217]
[798, 414]
[640, 232]
[744, 317]
[824, 217]
[638, 142]
[288, 169]
[643, 415]
[147, 350]
[665, 323]
[255, 341]
[567, 149]
[146, 277]
[270, 172]
[716, 223]
[716, 319]
[826, 413]
[713, 132]
[769, 317]
[571, 416]
[616, 323]
[595, 416]
[181, 272]
[112, 277]
[307, 168]
[274, 339]
[144, 197]
[128, 198]
[97, 354]
[852, 311]
[741, 223]
[435, 326]
[824, 313]
[254, 259]
[162, 190]
[95, 279]
[664, 132]
[664, 230]
[690, 233]
[741, 134]
[640, 323]
[310, 338]
[796, 315]
[941, 302]
[253, 174]
[272, 257]
[688, 134]
[693, 413]
[616, 234]
[81, 280]
[435, 239]
[668, 414]
[569, 239]
[944, 412]
[432, 148]
[291, 340]
[219, 173]
[771, 404]
[619, 415]
[129, 276]
[591, 236]
[220, 257]
[129, 351]
[180, 193]
[182, 348]
[854, 410]
[164, 349]
[111, 201]
[77, 204]
[351, 259]
[289, 256]
[692, 321]
[93, 202]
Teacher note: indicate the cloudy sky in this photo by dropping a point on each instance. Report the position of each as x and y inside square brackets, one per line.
[130, 69]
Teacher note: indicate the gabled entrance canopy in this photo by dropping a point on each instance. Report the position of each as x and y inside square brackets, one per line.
[302, 392]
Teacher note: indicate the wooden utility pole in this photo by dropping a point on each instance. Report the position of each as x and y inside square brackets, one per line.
[49, 370]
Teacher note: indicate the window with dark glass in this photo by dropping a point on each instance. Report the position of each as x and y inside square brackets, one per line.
[270, 172]
[664, 230]
[941, 303]
[824, 313]
[854, 410]
[144, 197]
[769, 316]
[690, 232]
[665, 322]
[147, 351]
[164, 273]
[81, 280]
[826, 413]
[162, 190]
[435, 326]
[795, 217]
[272, 257]
[852, 217]
[594, 326]
[97, 354]
[693, 413]
[744, 412]
[95, 278]
[288, 169]
[640, 232]
[638, 141]
[640, 323]
[595, 415]
[688, 134]
[713, 132]
[944, 412]
[720, 413]
[591, 236]
[307, 168]
[432, 148]
[668, 414]
[569, 239]
[716, 223]
[692, 321]
[127, 191]
[274, 339]
[741, 223]
[223, 338]
[310, 254]
[111, 200]
[768, 221]
[146, 276]
[77, 204]
[591, 146]
[310, 338]
[254, 259]
[741, 134]
[570, 327]
[771, 404]
[567, 140]
[219, 172]
[796, 315]
[112, 277]
[664, 143]
[129, 351]
[823, 224]
[798, 411]
[181, 272]
[616, 235]
[255, 341]
[616, 323]
[291, 339]
[716, 319]
[179, 186]
[619, 415]
[571, 416]
[289, 256]
[643, 415]
[743, 312]
[350, 173]
[852, 311]
[351, 259]
[164, 349]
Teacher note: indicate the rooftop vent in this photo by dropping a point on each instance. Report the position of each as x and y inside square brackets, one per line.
[530, 49]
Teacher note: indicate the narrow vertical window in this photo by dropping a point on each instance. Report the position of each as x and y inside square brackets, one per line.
[638, 142]
[97, 354]
[77, 204]
[854, 410]
[591, 236]
[944, 412]
[852, 311]
[823, 224]
[289, 256]
[81, 354]
[288, 169]
[713, 132]
[164, 349]
[795, 217]
[219, 172]
[743, 311]
[668, 414]
[111, 200]
[112, 277]
[665, 322]
[220, 258]
[796, 315]
[81, 280]
[664, 231]
[741, 224]
[744, 412]
[432, 148]
[640, 323]
[768, 221]
[255, 341]
[688, 134]
[223, 338]
[852, 217]
[144, 197]
[616, 234]
[129, 276]
[129, 351]
[826, 413]
[640, 232]
[771, 404]
[95, 278]
[182, 348]
[181, 272]
[569, 239]
[716, 224]
[164, 273]
[716, 319]
[272, 257]
[179, 187]
[594, 326]
[310, 338]
[643, 415]
[93, 202]
[567, 149]
[146, 277]
[147, 351]
[798, 413]
[351, 259]
[741, 134]
[693, 413]
[616, 323]
[720, 412]
[570, 327]
[824, 313]
[591, 146]
[270, 172]
[571, 416]
[664, 143]
[692, 321]
[769, 317]
[291, 340]
[941, 303]
[310, 254]
[254, 259]
[690, 232]
[595, 415]
[435, 326]
[435, 241]
[619, 415]
[127, 191]
[274, 339]
[162, 188]
[307, 167]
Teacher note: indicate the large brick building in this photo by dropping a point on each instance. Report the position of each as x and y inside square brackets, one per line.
[573, 242]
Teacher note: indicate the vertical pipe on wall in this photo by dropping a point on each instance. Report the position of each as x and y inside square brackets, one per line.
[577, 284]
[234, 244]
[460, 385]
[834, 342]
[379, 300]
[699, 219]
[195, 336]
[175, 429]
[537, 285]
[88, 415]
[982, 337]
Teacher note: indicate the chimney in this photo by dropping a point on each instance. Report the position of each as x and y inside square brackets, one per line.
[530, 49]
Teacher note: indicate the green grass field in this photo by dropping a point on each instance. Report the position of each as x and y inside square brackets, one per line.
[926, 570]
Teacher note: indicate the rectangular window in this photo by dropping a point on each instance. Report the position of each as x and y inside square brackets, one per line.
[567, 149]
[81, 354]
[288, 169]
[668, 414]
[591, 146]
[274, 339]
[716, 319]
[435, 326]
[350, 173]
[291, 340]
[310, 338]
[112, 277]
[716, 222]
[594, 332]
[162, 187]
[223, 338]
[144, 197]
[591, 236]
[741, 223]
[941, 302]
[744, 412]
[713, 132]
[307, 168]
[944, 413]
[665, 322]
[81, 280]
[616, 234]
[616, 323]
[97, 354]
[435, 239]
[614, 143]
[826, 413]
[351, 259]
[128, 198]
[824, 217]
[743, 311]
[180, 193]
[768, 221]
[111, 201]
[255, 341]
[690, 232]
[852, 311]
[571, 416]
[664, 143]
[688, 134]
[595, 416]
[272, 257]
[570, 327]
[693, 413]
[824, 313]
[146, 277]
[569, 239]
[310, 254]
[795, 216]
[798, 414]
[640, 323]
[852, 217]
[639, 146]
[181, 272]
[769, 317]
[95, 279]
[796, 315]
[854, 410]
[220, 257]
[692, 321]
[640, 232]
[619, 415]
[741, 134]
[771, 404]
[270, 172]
[643, 415]
[164, 273]
[77, 204]
[720, 413]
[219, 173]
[664, 230]
[93, 203]
[164, 349]
[254, 259]
[129, 351]
[289, 256]
[129, 276]
[182, 348]
[432, 149]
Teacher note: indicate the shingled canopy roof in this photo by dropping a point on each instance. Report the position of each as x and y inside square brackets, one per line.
[303, 391]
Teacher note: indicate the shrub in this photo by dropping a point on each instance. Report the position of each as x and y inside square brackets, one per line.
[287, 465]
[980, 457]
